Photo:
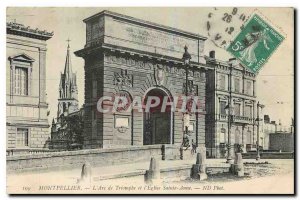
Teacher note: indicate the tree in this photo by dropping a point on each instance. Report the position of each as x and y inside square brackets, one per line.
[73, 131]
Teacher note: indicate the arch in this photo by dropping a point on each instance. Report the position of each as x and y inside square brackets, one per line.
[158, 125]
[165, 90]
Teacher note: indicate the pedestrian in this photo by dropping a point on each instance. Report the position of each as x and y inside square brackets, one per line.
[194, 147]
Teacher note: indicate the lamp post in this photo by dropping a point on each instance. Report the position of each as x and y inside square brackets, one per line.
[257, 138]
[186, 60]
[229, 108]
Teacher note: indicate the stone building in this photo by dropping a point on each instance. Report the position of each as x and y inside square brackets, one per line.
[26, 107]
[133, 57]
[67, 105]
[229, 83]
[268, 127]
[282, 142]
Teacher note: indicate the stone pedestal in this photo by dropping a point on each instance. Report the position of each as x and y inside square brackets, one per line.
[153, 174]
[238, 167]
[199, 169]
[170, 152]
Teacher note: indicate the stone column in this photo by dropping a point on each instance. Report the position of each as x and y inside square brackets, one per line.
[254, 88]
[12, 82]
[42, 75]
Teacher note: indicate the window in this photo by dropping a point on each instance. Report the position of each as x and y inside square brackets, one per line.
[249, 137]
[222, 135]
[249, 88]
[222, 107]
[237, 109]
[222, 82]
[21, 81]
[22, 137]
[248, 111]
[237, 85]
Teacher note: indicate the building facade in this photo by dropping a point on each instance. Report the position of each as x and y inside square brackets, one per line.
[135, 58]
[229, 84]
[26, 107]
[268, 127]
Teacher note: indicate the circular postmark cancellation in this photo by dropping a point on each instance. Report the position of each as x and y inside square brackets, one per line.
[224, 23]
[247, 35]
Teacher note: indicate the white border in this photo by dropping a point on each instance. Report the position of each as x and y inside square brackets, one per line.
[108, 3]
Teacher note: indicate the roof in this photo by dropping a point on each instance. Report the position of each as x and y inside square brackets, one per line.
[19, 29]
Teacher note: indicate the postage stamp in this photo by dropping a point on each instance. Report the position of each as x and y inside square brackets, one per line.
[256, 42]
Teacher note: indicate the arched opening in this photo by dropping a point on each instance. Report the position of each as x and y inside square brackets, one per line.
[157, 121]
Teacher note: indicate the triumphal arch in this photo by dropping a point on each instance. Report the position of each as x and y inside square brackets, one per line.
[129, 57]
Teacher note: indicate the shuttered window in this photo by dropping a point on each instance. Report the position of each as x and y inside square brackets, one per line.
[21, 81]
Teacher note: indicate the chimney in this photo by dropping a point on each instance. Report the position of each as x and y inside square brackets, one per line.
[212, 54]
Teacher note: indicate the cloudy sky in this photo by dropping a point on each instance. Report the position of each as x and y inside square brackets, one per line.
[274, 81]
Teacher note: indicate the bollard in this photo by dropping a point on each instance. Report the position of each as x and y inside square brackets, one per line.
[163, 152]
[199, 169]
[181, 152]
[153, 174]
[238, 167]
[86, 172]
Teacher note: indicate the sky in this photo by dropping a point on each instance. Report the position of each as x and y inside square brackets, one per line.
[275, 81]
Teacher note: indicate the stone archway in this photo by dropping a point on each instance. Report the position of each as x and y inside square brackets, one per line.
[157, 124]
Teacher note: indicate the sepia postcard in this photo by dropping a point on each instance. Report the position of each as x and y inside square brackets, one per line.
[150, 100]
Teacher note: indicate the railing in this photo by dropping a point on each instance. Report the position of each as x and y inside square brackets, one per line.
[240, 119]
[223, 117]
[12, 152]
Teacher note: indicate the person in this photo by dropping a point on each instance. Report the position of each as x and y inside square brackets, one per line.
[254, 39]
[186, 140]
[194, 147]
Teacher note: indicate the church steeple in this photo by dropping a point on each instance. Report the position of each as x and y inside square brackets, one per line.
[67, 102]
[68, 64]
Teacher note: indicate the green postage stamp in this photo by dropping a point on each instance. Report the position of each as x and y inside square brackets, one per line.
[255, 43]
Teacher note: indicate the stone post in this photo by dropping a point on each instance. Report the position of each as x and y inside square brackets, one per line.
[238, 167]
[181, 152]
[199, 169]
[163, 152]
[86, 173]
[153, 174]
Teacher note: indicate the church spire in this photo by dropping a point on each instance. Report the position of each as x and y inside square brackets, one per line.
[68, 65]
[67, 102]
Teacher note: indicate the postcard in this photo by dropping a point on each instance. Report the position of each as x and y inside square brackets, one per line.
[150, 100]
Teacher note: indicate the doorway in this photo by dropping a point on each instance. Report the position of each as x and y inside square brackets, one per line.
[157, 123]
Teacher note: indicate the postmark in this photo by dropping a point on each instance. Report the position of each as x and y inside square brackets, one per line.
[255, 43]
[223, 24]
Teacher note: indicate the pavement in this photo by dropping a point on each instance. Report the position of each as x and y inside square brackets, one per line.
[107, 175]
